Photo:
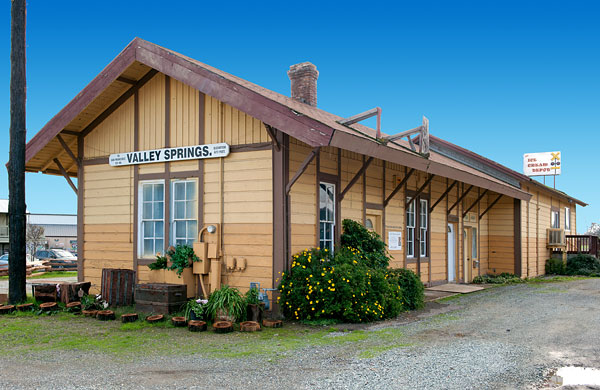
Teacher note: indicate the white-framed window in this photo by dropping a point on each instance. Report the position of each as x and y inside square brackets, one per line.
[555, 219]
[151, 217]
[567, 218]
[326, 215]
[410, 228]
[474, 243]
[184, 212]
[423, 217]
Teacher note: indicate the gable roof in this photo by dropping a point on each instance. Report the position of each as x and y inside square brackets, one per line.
[136, 64]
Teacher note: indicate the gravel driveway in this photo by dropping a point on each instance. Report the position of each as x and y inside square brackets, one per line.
[508, 337]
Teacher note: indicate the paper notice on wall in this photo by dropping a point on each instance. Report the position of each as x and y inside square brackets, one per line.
[394, 241]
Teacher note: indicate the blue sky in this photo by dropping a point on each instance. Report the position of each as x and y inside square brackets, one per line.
[499, 78]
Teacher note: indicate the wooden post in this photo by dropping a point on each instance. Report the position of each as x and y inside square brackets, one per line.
[16, 167]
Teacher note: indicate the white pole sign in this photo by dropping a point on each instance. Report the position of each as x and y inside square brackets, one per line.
[170, 154]
[542, 164]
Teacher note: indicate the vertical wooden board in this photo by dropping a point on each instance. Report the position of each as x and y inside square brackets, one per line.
[113, 135]
[152, 114]
[184, 114]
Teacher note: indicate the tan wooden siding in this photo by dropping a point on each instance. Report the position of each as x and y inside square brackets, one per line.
[303, 200]
[224, 123]
[113, 135]
[501, 236]
[184, 114]
[152, 114]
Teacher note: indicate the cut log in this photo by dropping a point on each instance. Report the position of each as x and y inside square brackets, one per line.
[69, 292]
[272, 323]
[179, 321]
[155, 318]
[223, 326]
[196, 326]
[130, 317]
[90, 313]
[49, 306]
[45, 292]
[106, 315]
[25, 307]
[74, 307]
[249, 326]
[6, 309]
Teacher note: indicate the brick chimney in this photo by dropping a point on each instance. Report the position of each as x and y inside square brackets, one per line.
[303, 78]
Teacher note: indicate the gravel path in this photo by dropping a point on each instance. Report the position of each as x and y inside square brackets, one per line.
[504, 338]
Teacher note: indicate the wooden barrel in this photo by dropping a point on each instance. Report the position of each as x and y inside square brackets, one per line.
[118, 286]
[160, 298]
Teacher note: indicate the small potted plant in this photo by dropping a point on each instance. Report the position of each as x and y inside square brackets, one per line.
[254, 307]
[226, 304]
[195, 309]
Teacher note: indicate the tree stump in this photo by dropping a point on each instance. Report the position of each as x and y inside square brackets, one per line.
[90, 313]
[74, 307]
[155, 318]
[69, 292]
[130, 317]
[272, 323]
[6, 309]
[45, 292]
[105, 315]
[25, 307]
[249, 326]
[49, 306]
[223, 326]
[196, 326]
[179, 321]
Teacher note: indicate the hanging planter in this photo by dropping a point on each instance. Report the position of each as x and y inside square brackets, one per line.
[130, 317]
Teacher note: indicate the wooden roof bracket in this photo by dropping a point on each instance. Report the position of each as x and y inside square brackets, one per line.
[302, 168]
[460, 199]
[356, 177]
[362, 116]
[398, 187]
[475, 203]
[450, 187]
[271, 131]
[422, 133]
[490, 206]
[420, 190]
[68, 150]
[66, 175]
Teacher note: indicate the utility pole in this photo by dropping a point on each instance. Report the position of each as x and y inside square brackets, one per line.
[16, 165]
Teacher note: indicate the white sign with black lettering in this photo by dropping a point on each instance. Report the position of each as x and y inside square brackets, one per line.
[170, 154]
[395, 241]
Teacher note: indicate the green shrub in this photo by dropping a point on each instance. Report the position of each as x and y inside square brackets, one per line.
[367, 242]
[555, 267]
[341, 287]
[413, 290]
[586, 265]
[503, 278]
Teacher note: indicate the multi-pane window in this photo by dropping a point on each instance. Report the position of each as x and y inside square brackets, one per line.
[152, 218]
[410, 228]
[326, 215]
[184, 212]
[423, 214]
[567, 218]
[555, 219]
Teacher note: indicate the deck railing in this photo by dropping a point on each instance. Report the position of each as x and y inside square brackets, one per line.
[583, 244]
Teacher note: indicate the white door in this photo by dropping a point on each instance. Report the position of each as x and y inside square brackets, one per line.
[451, 254]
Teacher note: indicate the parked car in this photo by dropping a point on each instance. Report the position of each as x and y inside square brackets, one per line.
[30, 260]
[58, 258]
[3, 261]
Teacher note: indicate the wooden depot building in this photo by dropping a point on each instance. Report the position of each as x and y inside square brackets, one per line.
[166, 149]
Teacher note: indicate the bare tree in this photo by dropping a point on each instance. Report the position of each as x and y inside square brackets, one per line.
[16, 164]
[594, 230]
[35, 237]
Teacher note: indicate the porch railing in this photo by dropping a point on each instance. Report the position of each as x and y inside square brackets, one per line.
[582, 244]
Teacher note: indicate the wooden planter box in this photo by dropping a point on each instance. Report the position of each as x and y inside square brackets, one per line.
[159, 298]
[167, 276]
